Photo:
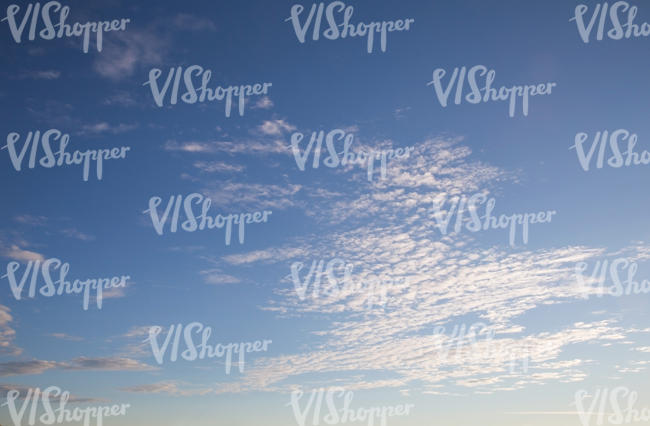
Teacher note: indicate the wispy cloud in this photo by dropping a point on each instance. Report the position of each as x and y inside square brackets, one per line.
[185, 21]
[275, 127]
[104, 127]
[40, 75]
[263, 103]
[244, 147]
[252, 195]
[64, 336]
[74, 233]
[7, 333]
[126, 52]
[170, 388]
[16, 368]
[218, 167]
[16, 253]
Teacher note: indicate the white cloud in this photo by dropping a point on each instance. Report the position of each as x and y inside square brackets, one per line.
[7, 333]
[104, 127]
[16, 253]
[263, 103]
[64, 336]
[218, 166]
[275, 127]
[124, 52]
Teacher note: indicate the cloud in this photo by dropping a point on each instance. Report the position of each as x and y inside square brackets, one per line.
[265, 255]
[263, 103]
[64, 336]
[16, 253]
[104, 127]
[217, 277]
[16, 368]
[74, 233]
[185, 21]
[121, 98]
[46, 75]
[7, 333]
[106, 364]
[39, 75]
[275, 127]
[218, 167]
[31, 220]
[247, 147]
[126, 52]
[23, 392]
[169, 388]
[399, 113]
[386, 231]
[252, 195]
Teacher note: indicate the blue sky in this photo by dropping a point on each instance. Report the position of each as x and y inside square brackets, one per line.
[244, 163]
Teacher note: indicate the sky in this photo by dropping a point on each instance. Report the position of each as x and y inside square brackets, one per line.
[526, 294]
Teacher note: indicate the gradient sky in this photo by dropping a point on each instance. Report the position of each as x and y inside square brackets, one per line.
[527, 293]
